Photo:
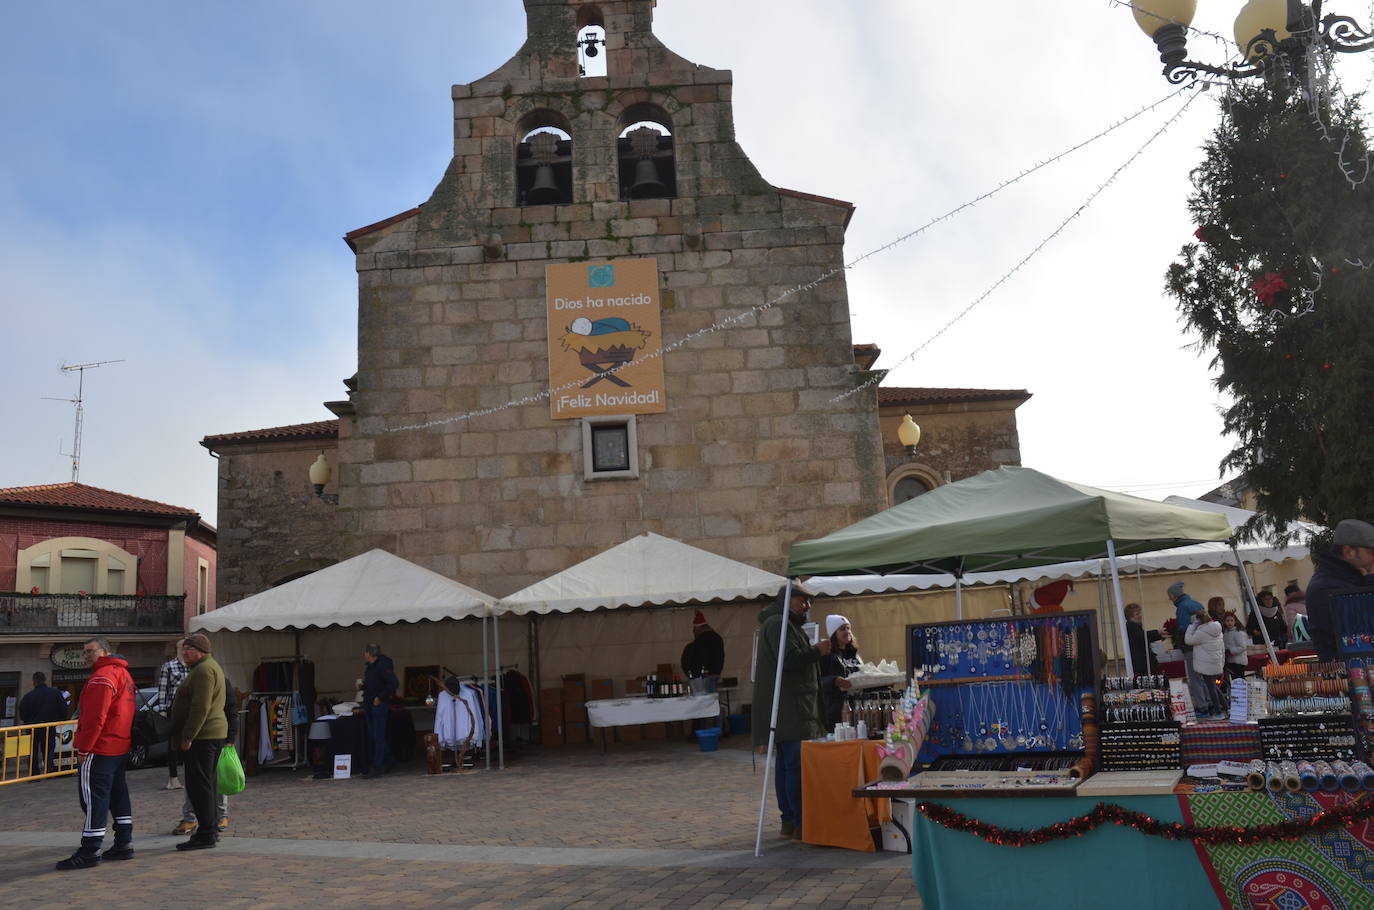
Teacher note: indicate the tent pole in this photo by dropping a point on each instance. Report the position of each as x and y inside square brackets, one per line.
[486, 750]
[959, 596]
[1249, 594]
[773, 720]
[500, 711]
[1120, 608]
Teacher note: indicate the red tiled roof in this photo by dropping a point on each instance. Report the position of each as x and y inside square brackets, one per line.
[319, 429]
[895, 395]
[377, 226]
[81, 496]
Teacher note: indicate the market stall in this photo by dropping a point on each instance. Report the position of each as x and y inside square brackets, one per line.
[1003, 519]
[301, 643]
[627, 612]
[1139, 802]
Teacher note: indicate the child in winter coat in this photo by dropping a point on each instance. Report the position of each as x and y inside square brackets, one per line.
[1237, 641]
[1209, 658]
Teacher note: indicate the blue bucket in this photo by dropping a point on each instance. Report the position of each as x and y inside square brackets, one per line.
[708, 740]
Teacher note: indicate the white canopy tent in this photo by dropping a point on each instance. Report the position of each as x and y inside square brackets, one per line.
[590, 614]
[330, 615]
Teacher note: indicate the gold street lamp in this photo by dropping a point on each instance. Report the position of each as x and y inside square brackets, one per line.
[909, 434]
[1268, 33]
[320, 473]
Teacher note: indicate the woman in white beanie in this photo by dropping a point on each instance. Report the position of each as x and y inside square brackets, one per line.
[1209, 658]
[842, 660]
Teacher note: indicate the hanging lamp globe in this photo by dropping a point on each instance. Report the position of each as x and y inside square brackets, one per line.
[908, 433]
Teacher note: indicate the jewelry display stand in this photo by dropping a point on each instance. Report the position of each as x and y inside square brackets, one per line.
[1009, 695]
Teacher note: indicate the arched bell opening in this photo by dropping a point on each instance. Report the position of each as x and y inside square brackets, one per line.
[543, 160]
[648, 167]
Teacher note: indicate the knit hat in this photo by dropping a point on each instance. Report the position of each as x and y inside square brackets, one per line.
[454, 685]
[1176, 589]
[699, 619]
[200, 641]
[833, 622]
[1353, 533]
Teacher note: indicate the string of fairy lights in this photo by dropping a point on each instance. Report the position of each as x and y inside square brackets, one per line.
[751, 312]
[1356, 173]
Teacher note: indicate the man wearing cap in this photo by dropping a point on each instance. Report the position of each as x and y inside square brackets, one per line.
[705, 653]
[1184, 608]
[201, 728]
[782, 639]
[106, 717]
[1348, 565]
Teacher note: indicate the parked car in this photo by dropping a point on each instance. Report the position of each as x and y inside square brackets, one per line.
[141, 751]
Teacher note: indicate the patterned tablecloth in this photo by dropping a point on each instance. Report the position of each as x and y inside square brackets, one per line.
[1333, 870]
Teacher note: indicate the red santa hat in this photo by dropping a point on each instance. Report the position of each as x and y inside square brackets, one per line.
[699, 619]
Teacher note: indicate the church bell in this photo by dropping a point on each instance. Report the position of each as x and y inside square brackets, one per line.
[544, 190]
[647, 185]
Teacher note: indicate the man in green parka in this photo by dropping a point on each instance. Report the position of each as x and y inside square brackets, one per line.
[799, 706]
[200, 727]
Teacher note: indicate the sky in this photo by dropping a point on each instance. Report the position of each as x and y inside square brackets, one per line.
[176, 179]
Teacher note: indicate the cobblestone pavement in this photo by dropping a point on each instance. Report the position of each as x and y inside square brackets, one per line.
[653, 825]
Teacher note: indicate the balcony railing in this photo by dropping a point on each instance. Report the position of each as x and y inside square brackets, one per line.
[68, 614]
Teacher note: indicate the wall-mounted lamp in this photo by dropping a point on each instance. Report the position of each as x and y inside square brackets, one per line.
[319, 476]
[908, 434]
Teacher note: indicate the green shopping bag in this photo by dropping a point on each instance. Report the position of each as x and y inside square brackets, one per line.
[231, 779]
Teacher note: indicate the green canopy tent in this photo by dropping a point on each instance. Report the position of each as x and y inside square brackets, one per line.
[1007, 518]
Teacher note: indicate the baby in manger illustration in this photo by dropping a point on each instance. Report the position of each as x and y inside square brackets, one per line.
[604, 345]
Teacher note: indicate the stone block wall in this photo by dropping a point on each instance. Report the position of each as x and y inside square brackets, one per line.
[752, 452]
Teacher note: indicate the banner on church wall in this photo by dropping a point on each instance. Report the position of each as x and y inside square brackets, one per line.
[603, 319]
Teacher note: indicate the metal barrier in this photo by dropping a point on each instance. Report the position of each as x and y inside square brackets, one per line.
[36, 751]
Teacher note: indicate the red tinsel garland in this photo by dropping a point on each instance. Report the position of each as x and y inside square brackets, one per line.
[1105, 812]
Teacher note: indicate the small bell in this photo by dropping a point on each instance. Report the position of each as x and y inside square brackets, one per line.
[646, 184]
[544, 190]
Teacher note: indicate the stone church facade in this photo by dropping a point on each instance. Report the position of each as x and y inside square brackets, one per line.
[445, 451]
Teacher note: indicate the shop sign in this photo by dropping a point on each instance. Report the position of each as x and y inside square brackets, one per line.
[68, 657]
[605, 338]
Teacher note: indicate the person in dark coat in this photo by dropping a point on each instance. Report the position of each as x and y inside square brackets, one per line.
[379, 687]
[42, 705]
[836, 666]
[705, 653]
[799, 710]
[1348, 565]
[1142, 658]
[1271, 614]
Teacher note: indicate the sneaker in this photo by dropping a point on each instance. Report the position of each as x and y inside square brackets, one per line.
[173, 784]
[786, 829]
[78, 860]
[184, 828]
[125, 852]
[222, 824]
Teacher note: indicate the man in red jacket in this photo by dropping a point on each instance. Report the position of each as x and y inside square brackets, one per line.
[106, 715]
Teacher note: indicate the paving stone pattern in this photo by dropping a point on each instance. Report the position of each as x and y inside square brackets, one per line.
[654, 825]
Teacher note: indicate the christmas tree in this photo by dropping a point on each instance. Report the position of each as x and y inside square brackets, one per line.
[1279, 285]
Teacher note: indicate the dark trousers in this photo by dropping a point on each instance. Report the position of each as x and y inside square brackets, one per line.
[201, 763]
[376, 716]
[102, 791]
[173, 754]
[788, 782]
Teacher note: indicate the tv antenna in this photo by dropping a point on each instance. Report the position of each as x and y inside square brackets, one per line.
[80, 370]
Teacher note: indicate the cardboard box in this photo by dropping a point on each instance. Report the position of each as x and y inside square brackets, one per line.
[551, 714]
[578, 732]
[575, 678]
[574, 693]
[634, 686]
[629, 734]
[602, 688]
[550, 697]
[893, 839]
[575, 714]
[666, 672]
[551, 734]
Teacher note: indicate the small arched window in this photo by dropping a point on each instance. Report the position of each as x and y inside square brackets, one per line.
[591, 41]
[543, 161]
[908, 488]
[648, 169]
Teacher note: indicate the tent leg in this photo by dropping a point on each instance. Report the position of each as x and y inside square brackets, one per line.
[958, 597]
[1120, 608]
[1249, 595]
[500, 711]
[486, 750]
[773, 721]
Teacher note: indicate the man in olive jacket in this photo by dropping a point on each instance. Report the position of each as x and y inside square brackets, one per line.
[198, 713]
[799, 706]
